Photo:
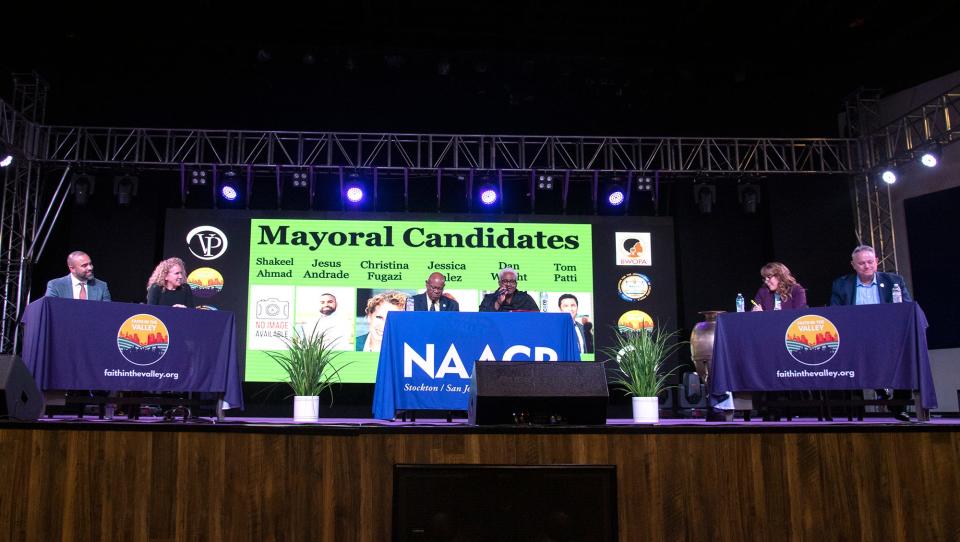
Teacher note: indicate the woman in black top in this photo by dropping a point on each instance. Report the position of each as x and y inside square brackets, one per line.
[167, 285]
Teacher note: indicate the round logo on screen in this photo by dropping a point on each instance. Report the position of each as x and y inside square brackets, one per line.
[205, 282]
[812, 340]
[635, 321]
[634, 287]
[207, 242]
[143, 339]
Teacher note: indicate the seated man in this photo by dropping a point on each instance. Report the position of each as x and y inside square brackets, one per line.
[433, 299]
[867, 286]
[507, 298]
[79, 283]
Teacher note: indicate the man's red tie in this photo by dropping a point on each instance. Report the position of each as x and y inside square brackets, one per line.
[83, 291]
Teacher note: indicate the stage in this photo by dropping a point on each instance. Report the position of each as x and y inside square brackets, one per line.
[271, 479]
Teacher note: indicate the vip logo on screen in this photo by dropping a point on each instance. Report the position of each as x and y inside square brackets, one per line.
[143, 339]
[634, 287]
[207, 242]
[633, 248]
[812, 340]
[205, 282]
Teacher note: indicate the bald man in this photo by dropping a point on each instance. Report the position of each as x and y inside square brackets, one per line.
[79, 283]
[433, 299]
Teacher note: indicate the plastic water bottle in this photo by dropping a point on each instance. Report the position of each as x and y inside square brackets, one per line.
[776, 302]
[739, 302]
[409, 306]
[897, 293]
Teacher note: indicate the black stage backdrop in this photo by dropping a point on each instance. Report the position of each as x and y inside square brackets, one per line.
[804, 221]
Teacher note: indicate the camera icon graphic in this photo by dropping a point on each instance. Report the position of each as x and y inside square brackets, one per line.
[273, 308]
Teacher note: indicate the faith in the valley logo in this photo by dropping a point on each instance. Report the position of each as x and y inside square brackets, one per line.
[812, 340]
[205, 282]
[143, 339]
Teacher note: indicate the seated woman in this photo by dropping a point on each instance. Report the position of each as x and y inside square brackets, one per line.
[166, 285]
[377, 308]
[780, 290]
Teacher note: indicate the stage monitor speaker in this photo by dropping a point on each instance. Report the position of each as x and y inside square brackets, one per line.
[693, 393]
[505, 502]
[534, 392]
[20, 399]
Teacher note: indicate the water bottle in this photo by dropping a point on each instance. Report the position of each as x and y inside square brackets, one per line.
[776, 302]
[897, 293]
[409, 306]
[739, 302]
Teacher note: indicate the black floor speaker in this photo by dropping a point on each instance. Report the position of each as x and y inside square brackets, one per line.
[524, 393]
[20, 399]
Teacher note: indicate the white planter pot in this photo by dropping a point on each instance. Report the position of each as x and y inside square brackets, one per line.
[646, 410]
[306, 408]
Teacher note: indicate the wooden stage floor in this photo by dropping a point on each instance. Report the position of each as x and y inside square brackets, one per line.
[270, 479]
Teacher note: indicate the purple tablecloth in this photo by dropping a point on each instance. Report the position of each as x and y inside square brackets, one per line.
[827, 348]
[88, 345]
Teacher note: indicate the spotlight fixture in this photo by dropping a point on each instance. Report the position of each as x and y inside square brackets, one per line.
[354, 194]
[931, 157]
[6, 155]
[198, 177]
[83, 188]
[749, 196]
[125, 187]
[705, 196]
[615, 196]
[299, 179]
[545, 182]
[229, 188]
[488, 194]
[645, 184]
[888, 176]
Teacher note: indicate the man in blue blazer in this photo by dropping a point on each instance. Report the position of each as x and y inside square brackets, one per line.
[870, 287]
[433, 299]
[80, 283]
[867, 286]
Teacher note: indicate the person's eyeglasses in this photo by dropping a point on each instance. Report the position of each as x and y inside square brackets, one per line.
[435, 288]
[505, 281]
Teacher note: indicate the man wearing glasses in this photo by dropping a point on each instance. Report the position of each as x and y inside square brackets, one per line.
[507, 298]
[433, 299]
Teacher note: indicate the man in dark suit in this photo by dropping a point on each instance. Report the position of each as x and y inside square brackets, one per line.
[79, 283]
[433, 299]
[569, 303]
[867, 286]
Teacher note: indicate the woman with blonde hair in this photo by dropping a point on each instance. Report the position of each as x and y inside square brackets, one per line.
[167, 285]
[377, 308]
[780, 290]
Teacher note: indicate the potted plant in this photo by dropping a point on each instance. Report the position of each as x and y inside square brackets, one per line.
[308, 364]
[640, 356]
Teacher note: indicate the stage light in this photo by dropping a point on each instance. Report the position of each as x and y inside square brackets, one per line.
[125, 187]
[229, 192]
[354, 194]
[198, 177]
[645, 184]
[488, 195]
[930, 158]
[545, 182]
[888, 176]
[83, 188]
[299, 180]
[705, 195]
[6, 156]
[749, 196]
[615, 197]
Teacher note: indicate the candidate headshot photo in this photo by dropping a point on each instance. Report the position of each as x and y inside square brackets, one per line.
[328, 309]
[373, 306]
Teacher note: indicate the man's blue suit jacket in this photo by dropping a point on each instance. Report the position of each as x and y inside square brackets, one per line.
[844, 291]
[63, 287]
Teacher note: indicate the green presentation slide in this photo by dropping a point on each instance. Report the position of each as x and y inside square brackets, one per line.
[343, 276]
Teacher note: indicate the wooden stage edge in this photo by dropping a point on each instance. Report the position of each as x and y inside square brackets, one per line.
[68, 480]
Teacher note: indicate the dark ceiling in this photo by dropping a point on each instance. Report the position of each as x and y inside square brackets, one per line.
[634, 68]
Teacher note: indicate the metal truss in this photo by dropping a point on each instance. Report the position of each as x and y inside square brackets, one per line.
[873, 215]
[18, 209]
[936, 122]
[169, 148]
